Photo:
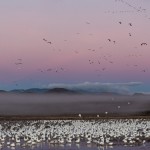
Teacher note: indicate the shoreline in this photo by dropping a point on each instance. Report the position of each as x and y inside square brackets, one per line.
[85, 117]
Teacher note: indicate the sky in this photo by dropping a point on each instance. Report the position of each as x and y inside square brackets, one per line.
[89, 41]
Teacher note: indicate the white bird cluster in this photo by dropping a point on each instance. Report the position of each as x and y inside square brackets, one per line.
[100, 132]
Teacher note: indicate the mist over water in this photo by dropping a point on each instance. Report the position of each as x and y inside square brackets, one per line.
[96, 87]
[70, 104]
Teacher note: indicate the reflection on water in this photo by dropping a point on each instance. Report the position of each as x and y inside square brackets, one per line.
[81, 146]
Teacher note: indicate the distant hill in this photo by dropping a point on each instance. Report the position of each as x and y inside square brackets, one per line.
[3, 91]
[109, 93]
[61, 91]
[35, 90]
[140, 94]
[46, 91]
[32, 90]
[17, 91]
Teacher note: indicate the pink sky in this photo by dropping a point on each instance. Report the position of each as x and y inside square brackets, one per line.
[73, 27]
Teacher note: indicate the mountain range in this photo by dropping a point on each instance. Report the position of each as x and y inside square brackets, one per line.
[61, 91]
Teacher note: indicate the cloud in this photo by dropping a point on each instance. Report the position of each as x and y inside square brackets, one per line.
[96, 87]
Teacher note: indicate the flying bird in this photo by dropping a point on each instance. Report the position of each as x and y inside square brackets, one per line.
[49, 69]
[109, 40]
[130, 24]
[144, 70]
[62, 69]
[44, 39]
[111, 62]
[87, 22]
[143, 44]
[91, 62]
[120, 22]
[76, 51]
[40, 70]
[49, 42]
[19, 63]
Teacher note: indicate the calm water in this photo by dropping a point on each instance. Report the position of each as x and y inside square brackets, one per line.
[82, 146]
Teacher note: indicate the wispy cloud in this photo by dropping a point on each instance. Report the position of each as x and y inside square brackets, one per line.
[94, 87]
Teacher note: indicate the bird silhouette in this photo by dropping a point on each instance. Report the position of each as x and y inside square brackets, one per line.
[143, 44]
[49, 69]
[19, 63]
[111, 62]
[130, 24]
[87, 22]
[76, 51]
[143, 70]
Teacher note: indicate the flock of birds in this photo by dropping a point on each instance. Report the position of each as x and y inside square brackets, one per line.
[100, 62]
[130, 24]
[47, 41]
[56, 70]
[137, 9]
[140, 9]
[99, 132]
